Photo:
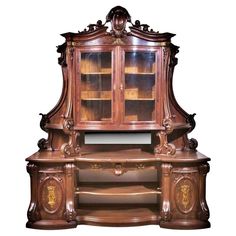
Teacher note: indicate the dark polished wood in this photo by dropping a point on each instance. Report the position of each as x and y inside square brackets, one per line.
[117, 80]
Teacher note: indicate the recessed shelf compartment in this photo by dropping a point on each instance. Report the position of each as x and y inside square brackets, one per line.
[118, 215]
[117, 189]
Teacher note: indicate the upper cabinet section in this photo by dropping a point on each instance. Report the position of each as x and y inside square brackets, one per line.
[118, 78]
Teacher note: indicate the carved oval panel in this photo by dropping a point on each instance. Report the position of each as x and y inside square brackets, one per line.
[51, 195]
[185, 195]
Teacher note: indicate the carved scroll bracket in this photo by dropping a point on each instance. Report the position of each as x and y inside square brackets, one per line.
[71, 148]
[191, 143]
[164, 147]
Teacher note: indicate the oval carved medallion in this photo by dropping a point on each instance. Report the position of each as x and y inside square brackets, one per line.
[185, 195]
[51, 195]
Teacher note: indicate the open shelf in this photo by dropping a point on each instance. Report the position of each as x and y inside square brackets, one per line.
[127, 189]
[117, 214]
[139, 99]
[139, 73]
[96, 73]
[96, 99]
[132, 155]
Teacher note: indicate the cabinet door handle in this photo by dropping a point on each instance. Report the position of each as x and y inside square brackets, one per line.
[121, 87]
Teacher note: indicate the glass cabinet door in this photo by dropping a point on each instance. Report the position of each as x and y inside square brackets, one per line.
[96, 86]
[140, 76]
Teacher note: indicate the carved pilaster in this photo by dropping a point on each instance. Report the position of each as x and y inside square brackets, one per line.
[165, 208]
[33, 211]
[204, 212]
[70, 212]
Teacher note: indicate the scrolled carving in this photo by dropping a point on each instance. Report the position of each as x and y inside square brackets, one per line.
[173, 60]
[44, 120]
[93, 27]
[164, 147]
[204, 168]
[143, 27]
[68, 125]
[168, 124]
[43, 144]
[71, 148]
[192, 144]
[31, 168]
[118, 16]
[191, 121]
[62, 59]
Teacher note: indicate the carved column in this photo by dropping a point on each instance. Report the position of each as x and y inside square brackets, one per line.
[204, 211]
[165, 208]
[33, 211]
[70, 213]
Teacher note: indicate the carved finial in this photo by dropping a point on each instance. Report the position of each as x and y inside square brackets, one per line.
[118, 16]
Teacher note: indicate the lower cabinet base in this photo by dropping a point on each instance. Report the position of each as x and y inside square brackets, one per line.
[169, 192]
[51, 224]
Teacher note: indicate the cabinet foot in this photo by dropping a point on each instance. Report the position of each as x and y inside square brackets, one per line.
[51, 224]
[185, 224]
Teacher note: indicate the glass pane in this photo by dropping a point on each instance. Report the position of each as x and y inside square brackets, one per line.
[140, 92]
[96, 84]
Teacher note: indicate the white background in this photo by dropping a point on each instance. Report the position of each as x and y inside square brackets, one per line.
[31, 83]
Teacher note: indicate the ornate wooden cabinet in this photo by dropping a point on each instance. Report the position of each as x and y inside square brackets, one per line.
[117, 80]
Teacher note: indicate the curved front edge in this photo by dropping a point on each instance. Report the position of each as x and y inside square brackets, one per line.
[187, 207]
[49, 208]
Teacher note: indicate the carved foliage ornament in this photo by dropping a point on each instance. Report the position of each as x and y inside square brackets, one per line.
[118, 16]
